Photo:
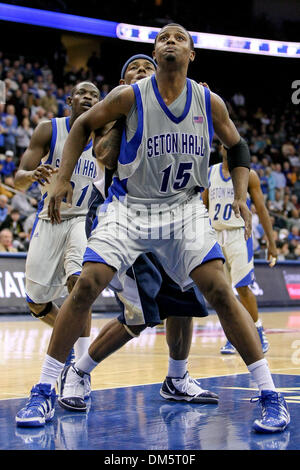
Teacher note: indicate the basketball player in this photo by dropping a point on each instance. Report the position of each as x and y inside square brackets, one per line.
[238, 252]
[154, 206]
[54, 258]
[150, 295]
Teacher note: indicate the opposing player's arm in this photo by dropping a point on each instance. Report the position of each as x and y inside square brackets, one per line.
[107, 145]
[262, 212]
[30, 169]
[238, 158]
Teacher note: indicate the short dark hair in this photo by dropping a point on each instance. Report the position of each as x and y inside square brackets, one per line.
[180, 26]
[80, 83]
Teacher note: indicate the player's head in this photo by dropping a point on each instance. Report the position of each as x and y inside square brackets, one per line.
[173, 43]
[83, 96]
[137, 67]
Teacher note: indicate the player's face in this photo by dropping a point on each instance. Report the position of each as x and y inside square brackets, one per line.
[173, 44]
[138, 69]
[84, 97]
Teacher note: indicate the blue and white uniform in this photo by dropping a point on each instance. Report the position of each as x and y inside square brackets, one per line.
[154, 203]
[56, 251]
[230, 229]
[149, 295]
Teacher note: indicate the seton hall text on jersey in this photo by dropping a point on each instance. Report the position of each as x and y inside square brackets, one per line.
[175, 143]
[221, 193]
[84, 167]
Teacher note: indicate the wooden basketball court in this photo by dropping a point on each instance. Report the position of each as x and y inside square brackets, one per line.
[121, 383]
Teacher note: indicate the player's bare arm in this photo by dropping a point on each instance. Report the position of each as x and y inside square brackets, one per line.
[107, 146]
[30, 169]
[229, 136]
[114, 106]
[262, 212]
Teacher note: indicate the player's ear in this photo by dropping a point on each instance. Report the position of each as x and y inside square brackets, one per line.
[121, 81]
[153, 54]
[192, 56]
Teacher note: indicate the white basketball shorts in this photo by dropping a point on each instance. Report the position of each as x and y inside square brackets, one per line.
[55, 253]
[239, 265]
[180, 236]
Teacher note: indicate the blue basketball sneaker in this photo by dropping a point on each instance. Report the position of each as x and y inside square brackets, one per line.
[275, 414]
[228, 348]
[40, 407]
[263, 339]
[186, 389]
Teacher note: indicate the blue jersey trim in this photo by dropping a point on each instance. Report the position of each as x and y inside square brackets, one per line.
[89, 144]
[129, 149]
[28, 299]
[247, 280]
[215, 253]
[91, 256]
[222, 176]
[53, 141]
[250, 249]
[165, 108]
[208, 114]
[39, 210]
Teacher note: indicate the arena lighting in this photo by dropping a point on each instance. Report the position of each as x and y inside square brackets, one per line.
[144, 34]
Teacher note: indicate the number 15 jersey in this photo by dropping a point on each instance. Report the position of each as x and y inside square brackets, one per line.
[166, 158]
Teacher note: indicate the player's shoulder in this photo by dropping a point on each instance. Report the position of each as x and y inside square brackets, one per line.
[43, 130]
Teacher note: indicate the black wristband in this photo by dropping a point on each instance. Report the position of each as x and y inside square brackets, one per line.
[238, 155]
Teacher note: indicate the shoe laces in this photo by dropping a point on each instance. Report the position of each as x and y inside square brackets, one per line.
[190, 385]
[36, 397]
[270, 404]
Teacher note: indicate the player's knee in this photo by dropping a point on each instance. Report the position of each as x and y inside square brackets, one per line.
[88, 286]
[243, 291]
[220, 296]
[39, 310]
[134, 330]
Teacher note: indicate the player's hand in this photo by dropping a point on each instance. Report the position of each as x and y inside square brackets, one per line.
[43, 173]
[62, 190]
[240, 209]
[272, 255]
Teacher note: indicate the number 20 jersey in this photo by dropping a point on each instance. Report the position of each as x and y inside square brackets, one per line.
[166, 158]
[221, 196]
[83, 175]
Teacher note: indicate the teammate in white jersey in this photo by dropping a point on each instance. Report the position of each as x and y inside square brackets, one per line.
[54, 258]
[239, 265]
[162, 167]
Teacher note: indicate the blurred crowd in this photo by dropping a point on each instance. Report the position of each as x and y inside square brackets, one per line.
[32, 95]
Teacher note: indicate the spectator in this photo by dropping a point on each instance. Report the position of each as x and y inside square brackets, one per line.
[280, 179]
[11, 112]
[264, 183]
[9, 132]
[283, 250]
[23, 136]
[294, 234]
[238, 99]
[6, 239]
[14, 224]
[4, 209]
[277, 204]
[8, 182]
[25, 207]
[289, 173]
[49, 103]
[8, 165]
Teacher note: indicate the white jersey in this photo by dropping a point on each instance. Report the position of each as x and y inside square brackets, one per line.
[166, 160]
[221, 196]
[82, 178]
